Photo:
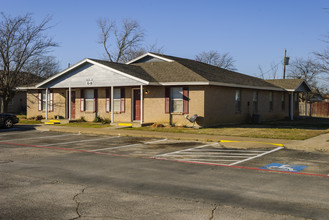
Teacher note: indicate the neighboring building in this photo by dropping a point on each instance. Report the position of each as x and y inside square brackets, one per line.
[18, 104]
[295, 87]
[171, 88]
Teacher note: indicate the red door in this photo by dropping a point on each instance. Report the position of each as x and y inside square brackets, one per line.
[137, 105]
[72, 104]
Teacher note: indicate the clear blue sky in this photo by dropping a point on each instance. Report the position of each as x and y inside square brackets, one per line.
[254, 32]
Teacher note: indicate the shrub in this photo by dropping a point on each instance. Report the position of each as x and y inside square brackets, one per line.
[82, 119]
[157, 125]
[106, 121]
[97, 119]
[39, 118]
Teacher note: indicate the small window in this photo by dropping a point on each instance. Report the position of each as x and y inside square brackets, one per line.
[270, 98]
[237, 101]
[283, 102]
[89, 100]
[255, 101]
[116, 99]
[177, 99]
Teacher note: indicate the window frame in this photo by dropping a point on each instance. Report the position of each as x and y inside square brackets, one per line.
[283, 101]
[117, 99]
[255, 98]
[271, 96]
[89, 102]
[175, 99]
[238, 101]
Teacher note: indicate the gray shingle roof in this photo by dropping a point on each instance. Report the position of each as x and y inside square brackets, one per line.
[129, 69]
[186, 70]
[290, 84]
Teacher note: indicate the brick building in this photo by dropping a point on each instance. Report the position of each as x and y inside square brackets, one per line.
[159, 88]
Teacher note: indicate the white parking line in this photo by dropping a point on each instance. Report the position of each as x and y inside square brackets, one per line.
[191, 155]
[110, 148]
[203, 160]
[219, 155]
[260, 155]
[216, 153]
[71, 142]
[130, 145]
[20, 132]
[189, 149]
[51, 136]
[228, 150]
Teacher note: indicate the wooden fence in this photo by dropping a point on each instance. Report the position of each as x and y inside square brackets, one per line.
[317, 109]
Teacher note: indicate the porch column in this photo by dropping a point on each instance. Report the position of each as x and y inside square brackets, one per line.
[112, 107]
[70, 97]
[47, 100]
[141, 104]
[292, 106]
[305, 103]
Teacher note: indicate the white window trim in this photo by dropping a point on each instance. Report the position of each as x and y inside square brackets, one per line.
[176, 99]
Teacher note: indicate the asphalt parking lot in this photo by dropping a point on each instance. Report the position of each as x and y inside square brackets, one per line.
[57, 175]
[257, 155]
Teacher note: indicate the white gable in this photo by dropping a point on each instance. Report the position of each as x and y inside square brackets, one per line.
[91, 75]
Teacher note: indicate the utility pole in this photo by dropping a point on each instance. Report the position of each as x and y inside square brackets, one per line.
[285, 62]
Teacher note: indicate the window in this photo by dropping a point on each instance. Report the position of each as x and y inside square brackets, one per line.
[238, 101]
[116, 99]
[296, 101]
[177, 99]
[255, 101]
[270, 98]
[44, 99]
[283, 102]
[89, 100]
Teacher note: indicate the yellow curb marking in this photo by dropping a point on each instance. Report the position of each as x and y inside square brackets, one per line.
[228, 141]
[125, 124]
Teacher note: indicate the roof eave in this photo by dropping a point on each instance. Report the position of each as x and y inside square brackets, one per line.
[61, 73]
[245, 86]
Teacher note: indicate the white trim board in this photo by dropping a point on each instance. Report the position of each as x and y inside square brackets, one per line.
[149, 54]
[87, 60]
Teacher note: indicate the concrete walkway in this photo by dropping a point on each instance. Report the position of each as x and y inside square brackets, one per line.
[319, 143]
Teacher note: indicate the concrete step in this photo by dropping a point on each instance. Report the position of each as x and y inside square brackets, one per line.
[51, 123]
[130, 124]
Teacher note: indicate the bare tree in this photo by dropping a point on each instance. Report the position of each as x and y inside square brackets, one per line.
[307, 69]
[117, 42]
[21, 41]
[133, 53]
[214, 58]
[271, 73]
[43, 66]
[323, 57]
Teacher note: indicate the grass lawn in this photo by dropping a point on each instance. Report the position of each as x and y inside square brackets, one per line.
[24, 120]
[296, 130]
[86, 125]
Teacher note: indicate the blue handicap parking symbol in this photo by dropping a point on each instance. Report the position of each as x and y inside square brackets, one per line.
[284, 167]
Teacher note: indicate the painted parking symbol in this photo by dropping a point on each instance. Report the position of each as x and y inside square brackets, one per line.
[284, 167]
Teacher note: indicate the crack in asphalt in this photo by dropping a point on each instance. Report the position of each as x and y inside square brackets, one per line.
[75, 199]
[213, 212]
